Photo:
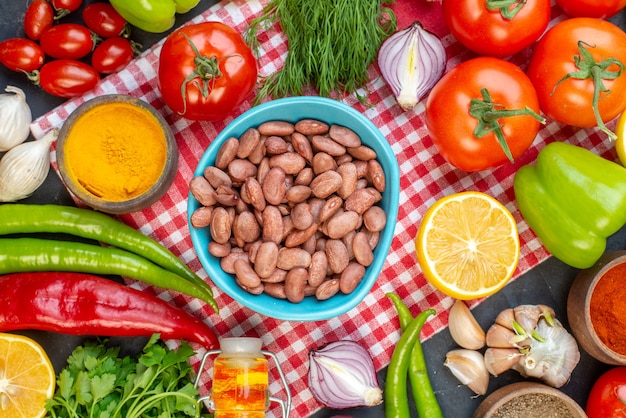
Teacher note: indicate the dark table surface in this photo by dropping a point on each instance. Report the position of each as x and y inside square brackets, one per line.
[547, 283]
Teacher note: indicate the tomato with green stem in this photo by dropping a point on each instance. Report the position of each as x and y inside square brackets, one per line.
[205, 71]
[103, 20]
[113, 54]
[482, 114]
[577, 69]
[601, 9]
[607, 398]
[496, 28]
[21, 54]
[38, 18]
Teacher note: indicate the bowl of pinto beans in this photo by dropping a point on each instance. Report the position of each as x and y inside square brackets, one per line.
[293, 206]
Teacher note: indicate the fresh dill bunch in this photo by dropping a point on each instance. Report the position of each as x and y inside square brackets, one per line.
[331, 44]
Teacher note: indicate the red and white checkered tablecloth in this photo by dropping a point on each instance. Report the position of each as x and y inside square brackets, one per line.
[425, 177]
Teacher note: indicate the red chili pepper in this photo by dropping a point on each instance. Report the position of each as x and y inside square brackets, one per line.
[84, 304]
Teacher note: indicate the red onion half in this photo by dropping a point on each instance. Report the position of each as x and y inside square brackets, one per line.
[411, 61]
[342, 375]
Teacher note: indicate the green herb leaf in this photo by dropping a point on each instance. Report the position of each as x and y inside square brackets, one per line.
[98, 383]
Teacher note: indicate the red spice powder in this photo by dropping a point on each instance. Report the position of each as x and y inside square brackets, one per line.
[608, 310]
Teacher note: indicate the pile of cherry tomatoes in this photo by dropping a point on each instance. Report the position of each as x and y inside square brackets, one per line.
[66, 59]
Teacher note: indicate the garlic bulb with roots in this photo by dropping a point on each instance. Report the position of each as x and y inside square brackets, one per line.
[546, 350]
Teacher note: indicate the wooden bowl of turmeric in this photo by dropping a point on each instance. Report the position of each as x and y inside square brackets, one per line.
[117, 154]
[596, 310]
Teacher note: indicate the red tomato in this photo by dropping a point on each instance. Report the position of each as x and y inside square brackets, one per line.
[21, 54]
[591, 8]
[228, 75]
[487, 32]
[64, 7]
[38, 18]
[112, 55]
[67, 41]
[103, 20]
[607, 398]
[452, 128]
[570, 100]
[67, 78]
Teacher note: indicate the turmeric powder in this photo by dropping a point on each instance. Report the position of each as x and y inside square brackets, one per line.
[116, 151]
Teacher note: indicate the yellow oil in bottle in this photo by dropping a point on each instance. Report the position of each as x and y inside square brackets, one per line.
[240, 380]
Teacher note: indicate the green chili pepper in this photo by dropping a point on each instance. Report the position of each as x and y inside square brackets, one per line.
[404, 314]
[85, 223]
[573, 200]
[19, 255]
[154, 16]
[396, 398]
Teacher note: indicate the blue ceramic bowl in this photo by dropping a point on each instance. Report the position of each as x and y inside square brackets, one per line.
[292, 110]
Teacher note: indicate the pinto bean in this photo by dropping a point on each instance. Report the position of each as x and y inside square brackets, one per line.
[311, 127]
[276, 127]
[226, 153]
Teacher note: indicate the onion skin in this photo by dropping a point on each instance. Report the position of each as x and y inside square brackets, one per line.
[411, 61]
[342, 375]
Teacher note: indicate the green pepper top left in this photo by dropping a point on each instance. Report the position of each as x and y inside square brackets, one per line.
[86, 223]
[154, 16]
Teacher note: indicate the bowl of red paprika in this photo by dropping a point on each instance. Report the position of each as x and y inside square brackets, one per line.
[595, 308]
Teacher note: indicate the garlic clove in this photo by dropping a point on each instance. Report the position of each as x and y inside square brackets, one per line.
[468, 366]
[527, 316]
[464, 328]
[506, 318]
[499, 336]
[25, 167]
[499, 360]
[15, 118]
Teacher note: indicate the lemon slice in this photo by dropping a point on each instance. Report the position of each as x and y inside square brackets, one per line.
[468, 245]
[26, 377]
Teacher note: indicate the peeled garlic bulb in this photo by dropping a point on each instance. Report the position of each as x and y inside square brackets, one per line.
[464, 328]
[468, 366]
[15, 118]
[25, 167]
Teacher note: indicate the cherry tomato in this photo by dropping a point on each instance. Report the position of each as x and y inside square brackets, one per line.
[67, 41]
[67, 78]
[227, 76]
[607, 398]
[38, 18]
[21, 54]
[484, 29]
[103, 20]
[461, 91]
[591, 8]
[112, 55]
[568, 51]
[64, 7]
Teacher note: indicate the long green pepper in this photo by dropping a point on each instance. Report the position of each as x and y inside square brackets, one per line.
[85, 223]
[408, 359]
[19, 255]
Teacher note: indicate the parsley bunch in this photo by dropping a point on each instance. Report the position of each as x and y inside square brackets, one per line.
[97, 383]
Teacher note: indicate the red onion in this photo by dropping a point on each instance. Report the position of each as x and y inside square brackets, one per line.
[412, 61]
[342, 375]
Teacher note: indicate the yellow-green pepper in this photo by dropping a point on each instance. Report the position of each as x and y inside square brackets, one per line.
[573, 200]
[154, 16]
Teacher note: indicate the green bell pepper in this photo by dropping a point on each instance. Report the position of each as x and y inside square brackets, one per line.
[154, 16]
[573, 200]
